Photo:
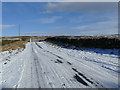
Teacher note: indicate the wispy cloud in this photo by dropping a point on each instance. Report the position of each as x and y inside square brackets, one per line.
[105, 27]
[59, 27]
[80, 7]
[6, 26]
[50, 19]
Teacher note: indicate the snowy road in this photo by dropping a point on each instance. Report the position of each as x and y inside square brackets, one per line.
[41, 65]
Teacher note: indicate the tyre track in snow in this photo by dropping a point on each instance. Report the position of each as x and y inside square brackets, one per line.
[36, 62]
[56, 73]
[79, 79]
[82, 79]
[39, 69]
[31, 77]
[103, 73]
[47, 69]
[97, 82]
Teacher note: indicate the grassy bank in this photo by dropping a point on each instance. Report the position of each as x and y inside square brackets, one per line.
[4, 42]
[14, 45]
[7, 45]
[91, 42]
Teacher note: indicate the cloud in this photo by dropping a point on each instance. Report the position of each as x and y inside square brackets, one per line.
[50, 20]
[59, 27]
[105, 27]
[81, 7]
[109, 26]
[90, 18]
[6, 26]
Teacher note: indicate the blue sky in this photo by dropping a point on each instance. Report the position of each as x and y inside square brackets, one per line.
[59, 18]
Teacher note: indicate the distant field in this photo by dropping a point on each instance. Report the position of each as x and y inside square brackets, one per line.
[104, 42]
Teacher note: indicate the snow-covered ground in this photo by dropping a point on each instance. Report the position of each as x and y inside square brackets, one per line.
[10, 62]
[41, 65]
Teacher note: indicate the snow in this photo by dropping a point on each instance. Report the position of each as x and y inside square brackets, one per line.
[110, 60]
[41, 65]
[11, 63]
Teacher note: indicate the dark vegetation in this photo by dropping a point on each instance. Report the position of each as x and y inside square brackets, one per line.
[24, 38]
[87, 42]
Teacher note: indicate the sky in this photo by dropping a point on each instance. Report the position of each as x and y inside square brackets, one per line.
[59, 18]
[60, 0]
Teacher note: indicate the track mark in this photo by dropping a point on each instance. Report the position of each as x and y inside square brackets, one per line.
[82, 75]
[49, 51]
[36, 61]
[58, 61]
[55, 55]
[38, 45]
[80, 80]
[69, 63]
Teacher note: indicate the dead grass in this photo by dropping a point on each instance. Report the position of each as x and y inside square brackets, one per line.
[4, 42]
[13, 46]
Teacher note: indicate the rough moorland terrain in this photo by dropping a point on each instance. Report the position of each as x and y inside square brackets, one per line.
[104, 42]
